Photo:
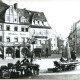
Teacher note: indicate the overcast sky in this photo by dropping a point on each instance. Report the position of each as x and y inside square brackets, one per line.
[61, 14]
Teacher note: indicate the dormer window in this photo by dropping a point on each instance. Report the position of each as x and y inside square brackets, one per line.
[23, 20]
[29, 13]
[38, 14]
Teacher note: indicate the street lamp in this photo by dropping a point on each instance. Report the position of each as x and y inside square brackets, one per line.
[46, 50]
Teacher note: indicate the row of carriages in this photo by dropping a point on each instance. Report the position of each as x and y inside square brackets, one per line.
[18, 70]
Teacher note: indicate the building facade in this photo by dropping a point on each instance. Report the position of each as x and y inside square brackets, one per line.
[74, 37]
[40, 30]
[53, 36]
[17, 29]
[14, 34]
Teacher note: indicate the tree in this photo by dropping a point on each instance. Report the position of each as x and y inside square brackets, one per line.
[60, 44]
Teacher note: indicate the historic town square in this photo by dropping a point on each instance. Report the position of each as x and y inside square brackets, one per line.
[40, 39]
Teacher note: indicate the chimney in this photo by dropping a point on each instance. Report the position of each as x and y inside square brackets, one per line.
[15, 6]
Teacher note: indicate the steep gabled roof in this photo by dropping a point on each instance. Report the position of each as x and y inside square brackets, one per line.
[3, 8]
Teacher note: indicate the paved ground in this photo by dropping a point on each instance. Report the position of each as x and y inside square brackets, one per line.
[46, 63]
[68, 75]
[58, 77]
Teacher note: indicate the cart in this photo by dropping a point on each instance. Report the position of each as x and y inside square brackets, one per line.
[20, 69]
[65, 66]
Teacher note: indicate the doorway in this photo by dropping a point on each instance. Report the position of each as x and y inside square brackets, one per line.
[17, 51]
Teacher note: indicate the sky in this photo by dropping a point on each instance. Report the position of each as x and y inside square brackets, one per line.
[61, 14]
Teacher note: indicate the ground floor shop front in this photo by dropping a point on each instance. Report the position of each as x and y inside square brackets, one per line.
[14, 51]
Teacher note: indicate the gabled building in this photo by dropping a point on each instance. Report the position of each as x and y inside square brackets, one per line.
[14, 34]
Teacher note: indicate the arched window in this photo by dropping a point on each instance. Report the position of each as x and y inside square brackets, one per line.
[24, 51]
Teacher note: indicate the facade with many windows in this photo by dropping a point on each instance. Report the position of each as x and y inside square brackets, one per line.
[17, 27]
[40, 30]
[74, 37]
[14, 34]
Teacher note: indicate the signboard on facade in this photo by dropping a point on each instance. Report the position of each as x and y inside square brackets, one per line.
[16, 33]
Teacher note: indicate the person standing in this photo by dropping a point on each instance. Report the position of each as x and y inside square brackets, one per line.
[73, 55]
[31, 57]
[47, 52]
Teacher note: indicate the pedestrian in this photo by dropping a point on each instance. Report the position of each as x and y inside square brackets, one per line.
[47, 52]
[73, 55]
[31, 58]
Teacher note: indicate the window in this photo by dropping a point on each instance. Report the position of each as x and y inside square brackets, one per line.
[38, 22]
[38, 14]
[16, 39]
[15, 28]
[35, 42]
[23, 39]
[0, 38]
[0, 27]
[43, 22]
[15, 19]
[23, 19]
[34, 21]
[22, 29]
[8, 27]
[40, 32]
[74, 36]
[54, 45]
[8, 39]
[26, 29]
[8, 18]
[26, 39]
[40, 41]
[33, 31]
[43, 42]
[9, 51]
